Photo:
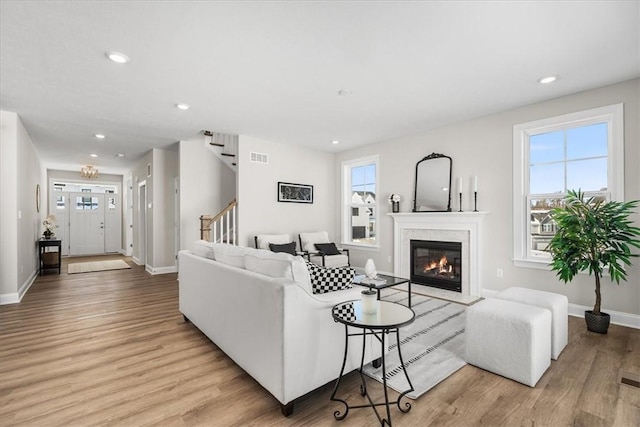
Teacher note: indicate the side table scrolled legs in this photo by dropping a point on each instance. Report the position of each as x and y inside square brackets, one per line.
[407, 405]
[337, 415]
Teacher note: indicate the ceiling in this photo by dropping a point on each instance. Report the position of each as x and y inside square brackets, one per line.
[273, 70]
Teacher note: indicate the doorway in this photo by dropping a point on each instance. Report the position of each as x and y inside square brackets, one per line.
[142, 222]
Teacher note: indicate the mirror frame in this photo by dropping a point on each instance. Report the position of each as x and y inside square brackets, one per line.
[415, 188]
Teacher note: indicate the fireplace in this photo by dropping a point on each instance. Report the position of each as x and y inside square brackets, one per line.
[436, 263]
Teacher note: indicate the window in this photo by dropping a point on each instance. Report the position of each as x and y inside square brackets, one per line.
[583, 151]
[359, 201]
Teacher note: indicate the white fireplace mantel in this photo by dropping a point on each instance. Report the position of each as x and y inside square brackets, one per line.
[463, 227]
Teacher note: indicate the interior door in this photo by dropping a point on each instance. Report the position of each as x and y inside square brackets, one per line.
[86, 230]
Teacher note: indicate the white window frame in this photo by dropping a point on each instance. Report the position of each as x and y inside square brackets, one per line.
[613, 115]
[346, 205]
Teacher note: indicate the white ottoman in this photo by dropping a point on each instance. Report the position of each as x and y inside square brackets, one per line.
[556, 303]
[509, 339]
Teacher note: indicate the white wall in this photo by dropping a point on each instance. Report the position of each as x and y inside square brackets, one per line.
[258, 206]
[165, 170]
[483, 147]
[207, 186]
[20, 223]
[139, 176]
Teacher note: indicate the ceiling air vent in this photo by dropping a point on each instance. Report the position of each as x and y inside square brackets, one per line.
[259, 157]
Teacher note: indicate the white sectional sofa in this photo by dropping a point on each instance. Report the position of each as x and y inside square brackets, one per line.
[257, 306]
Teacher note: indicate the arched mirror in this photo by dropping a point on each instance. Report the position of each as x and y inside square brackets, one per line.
[433, 184]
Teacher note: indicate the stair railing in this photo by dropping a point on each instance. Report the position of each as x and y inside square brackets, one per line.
[222, 226]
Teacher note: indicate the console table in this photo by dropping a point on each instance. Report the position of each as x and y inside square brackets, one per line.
[47, 262]
[388, 318]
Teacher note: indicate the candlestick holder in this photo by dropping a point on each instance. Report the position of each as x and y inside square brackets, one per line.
[475, 201]
[460, 194]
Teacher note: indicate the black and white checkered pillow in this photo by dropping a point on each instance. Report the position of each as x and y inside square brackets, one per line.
[345, 311]
[329, 279]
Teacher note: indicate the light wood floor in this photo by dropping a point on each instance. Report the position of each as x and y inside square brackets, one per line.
[111, 348]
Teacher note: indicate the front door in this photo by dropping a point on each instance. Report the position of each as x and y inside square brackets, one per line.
[86, 231]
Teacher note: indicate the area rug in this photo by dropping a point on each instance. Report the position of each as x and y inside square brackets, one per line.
[432, 346]
[88, 267]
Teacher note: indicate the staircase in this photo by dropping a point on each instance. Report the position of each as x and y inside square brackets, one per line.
[220, 228]
[224, 146]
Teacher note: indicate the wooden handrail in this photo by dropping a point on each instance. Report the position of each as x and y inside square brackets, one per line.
[206, 222]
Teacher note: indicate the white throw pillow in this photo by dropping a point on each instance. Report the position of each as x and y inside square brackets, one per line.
[229, 254]
[204, 249]
[310, 239]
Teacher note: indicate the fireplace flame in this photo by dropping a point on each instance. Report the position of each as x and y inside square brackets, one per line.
[442, 266]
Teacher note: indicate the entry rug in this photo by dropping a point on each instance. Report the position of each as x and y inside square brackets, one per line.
[88, 267]
[432, 346]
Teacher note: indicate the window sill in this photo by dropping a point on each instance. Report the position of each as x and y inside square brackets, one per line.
[542, 264]
[360, 247]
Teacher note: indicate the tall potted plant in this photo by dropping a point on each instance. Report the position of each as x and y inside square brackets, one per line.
[593, 235]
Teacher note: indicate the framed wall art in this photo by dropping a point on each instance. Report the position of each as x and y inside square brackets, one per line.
[295, 193]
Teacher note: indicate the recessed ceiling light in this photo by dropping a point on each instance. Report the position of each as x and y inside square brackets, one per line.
[120, 155]
[547, 79]
[93, 155]
[183, 106]
[99, 136]
[335, 141]
[118, 57]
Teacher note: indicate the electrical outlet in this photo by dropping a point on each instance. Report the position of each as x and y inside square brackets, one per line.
[499, 273]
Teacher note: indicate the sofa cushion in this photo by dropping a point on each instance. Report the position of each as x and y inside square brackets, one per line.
[288, 248]
[204, 249]
[328, 248]
[328, 279]
[263, 240]
[229, 254]
[279, 265]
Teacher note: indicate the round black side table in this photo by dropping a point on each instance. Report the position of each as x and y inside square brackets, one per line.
[388, 318]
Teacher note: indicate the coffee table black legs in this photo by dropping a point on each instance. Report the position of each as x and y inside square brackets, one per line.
[380, 335]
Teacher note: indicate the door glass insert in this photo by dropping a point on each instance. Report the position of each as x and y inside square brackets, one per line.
[60, 202]
[86, 203]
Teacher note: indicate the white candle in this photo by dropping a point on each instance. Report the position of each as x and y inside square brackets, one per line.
[460, 185]
[475, 184]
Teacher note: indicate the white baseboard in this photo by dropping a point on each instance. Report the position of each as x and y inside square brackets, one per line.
[617, 317]
[136, 260]
[16, 297]
[160, 270]
[11, 298]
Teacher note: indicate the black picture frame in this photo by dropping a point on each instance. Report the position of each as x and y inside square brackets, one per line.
[289, 192]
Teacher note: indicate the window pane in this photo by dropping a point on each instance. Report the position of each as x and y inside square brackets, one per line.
[363, 225]
[587, 175]
[587, 141]
[60, 202]
[546, 147]
[370, 196]
[357, 176]
[547, 179]
[112, 203]
[543, 228]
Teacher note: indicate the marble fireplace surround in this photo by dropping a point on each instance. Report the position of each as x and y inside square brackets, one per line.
[463, 227]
